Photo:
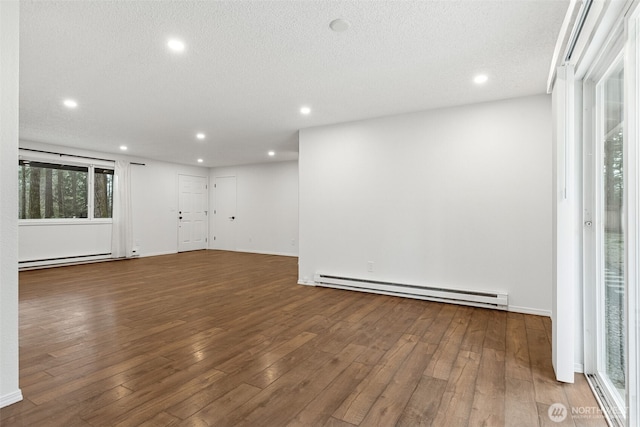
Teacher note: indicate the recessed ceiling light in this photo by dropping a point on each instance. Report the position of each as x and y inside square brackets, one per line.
[200, 135]
[70, 103]
[271, 153]
[123, 147]
[305, 110]
[176, 45]
[339, 25]
[200, 160]
[480, 79]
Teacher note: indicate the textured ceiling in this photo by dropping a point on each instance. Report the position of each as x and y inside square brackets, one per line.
[249, 66]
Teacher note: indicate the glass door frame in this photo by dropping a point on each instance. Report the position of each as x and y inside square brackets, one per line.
[609, 62]
[623, 44]
[632, 194]
[600, 235]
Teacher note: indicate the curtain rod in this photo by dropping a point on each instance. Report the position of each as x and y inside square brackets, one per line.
[75, 155]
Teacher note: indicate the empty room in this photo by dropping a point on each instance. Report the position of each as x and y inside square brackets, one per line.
[344, 213]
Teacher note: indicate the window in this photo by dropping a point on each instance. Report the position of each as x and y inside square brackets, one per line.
[64, 191]
[103, 193]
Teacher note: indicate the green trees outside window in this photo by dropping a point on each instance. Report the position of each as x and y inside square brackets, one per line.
[48, 190]
[103, 193]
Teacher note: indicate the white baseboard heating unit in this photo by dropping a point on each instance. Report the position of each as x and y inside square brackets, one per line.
[494, 300]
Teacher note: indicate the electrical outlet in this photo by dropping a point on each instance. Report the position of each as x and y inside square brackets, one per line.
[370, 266]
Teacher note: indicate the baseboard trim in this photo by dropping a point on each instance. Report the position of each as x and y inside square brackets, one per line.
[251, 251]
[267, 253]
[529, 310]
[157, 254]
[11, 398]
[578, 367]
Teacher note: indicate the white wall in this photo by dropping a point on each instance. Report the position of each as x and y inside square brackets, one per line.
[154, 194]
[46, 240]
[9, 36]
[456, 197]
[267, 207]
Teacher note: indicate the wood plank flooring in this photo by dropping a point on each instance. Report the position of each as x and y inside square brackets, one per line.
[214, 338]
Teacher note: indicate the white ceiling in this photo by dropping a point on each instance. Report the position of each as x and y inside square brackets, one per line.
[249, 66]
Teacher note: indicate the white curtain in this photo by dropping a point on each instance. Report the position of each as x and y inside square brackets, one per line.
[121, 234]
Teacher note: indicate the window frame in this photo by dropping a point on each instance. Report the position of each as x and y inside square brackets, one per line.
[61, 159]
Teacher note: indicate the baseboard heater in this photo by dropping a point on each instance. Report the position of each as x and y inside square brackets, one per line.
[494, 300]
[62, 261]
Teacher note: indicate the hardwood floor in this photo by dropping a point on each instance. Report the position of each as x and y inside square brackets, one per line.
[214, 338]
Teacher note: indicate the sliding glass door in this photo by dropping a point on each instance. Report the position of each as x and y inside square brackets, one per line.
[611, 215]
[610, 237]
[606, 235]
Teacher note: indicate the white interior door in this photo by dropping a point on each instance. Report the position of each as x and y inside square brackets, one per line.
[192, 213]
[225, 213]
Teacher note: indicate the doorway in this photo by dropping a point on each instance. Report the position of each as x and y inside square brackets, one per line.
[192, 213]
[225, 216]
